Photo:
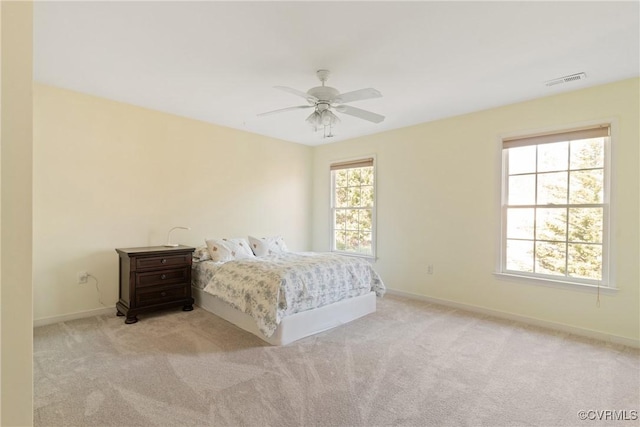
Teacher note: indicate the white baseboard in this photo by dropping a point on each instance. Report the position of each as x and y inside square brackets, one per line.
[602, 336]
[73, 316]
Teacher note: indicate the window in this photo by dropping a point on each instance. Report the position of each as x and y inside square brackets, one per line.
[555, 206]
[353, 207]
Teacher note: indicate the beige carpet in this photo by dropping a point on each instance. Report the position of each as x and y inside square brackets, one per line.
[410, 364]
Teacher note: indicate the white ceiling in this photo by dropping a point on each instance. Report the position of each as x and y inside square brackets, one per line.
[218, 61]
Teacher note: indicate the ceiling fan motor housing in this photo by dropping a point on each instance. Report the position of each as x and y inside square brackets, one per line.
[324, 93]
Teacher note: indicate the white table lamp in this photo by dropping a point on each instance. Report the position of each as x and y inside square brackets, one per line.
[173, 245]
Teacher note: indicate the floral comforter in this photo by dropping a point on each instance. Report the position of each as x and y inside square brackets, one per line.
[270, 288]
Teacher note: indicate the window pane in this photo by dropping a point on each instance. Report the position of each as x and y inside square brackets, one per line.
[587, 153]
[552, 188]
[352, 219]
[340, 242]
[365, 218]
[522, 160]
[341, 199]
[341, 177]
[520, 223]
[352, 241]
[585, 225]
[354, 196]
[355, 177]
[586, 187]
[585, 261]
[551, 224]
[550, 258]
[365, 244]
[366, 199]
[367, 176]
[522, 190]
[553, 157]
[520, 255]
[340, 216]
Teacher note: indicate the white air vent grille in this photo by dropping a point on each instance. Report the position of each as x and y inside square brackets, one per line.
[566, 79]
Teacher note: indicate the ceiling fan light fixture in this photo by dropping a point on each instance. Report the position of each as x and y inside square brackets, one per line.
[314, 120]
[332, 119]
[326, 118]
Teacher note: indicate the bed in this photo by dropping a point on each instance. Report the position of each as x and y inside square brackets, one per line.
[285, 296]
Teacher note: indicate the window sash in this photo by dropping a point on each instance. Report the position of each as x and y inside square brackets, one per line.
[566, 242]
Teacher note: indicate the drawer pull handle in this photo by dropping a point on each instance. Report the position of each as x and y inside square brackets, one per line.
[164, 276]
[164, 260]
[164, 294]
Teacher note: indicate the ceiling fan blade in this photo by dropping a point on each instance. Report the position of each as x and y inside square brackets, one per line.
[360, 113]
[357, 95]
[297, 107]
[305, 95]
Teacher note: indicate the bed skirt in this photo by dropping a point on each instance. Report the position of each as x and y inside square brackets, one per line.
[296, 326]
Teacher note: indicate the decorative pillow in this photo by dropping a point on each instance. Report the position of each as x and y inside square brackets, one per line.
[228, 249]
[201, 254]
[267, 245]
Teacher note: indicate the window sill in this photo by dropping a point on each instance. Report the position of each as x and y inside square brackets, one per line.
[557, 284]
[370, 258]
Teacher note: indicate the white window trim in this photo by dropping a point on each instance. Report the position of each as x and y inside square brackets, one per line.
[374, 224]
[608, 268]
[547, 282]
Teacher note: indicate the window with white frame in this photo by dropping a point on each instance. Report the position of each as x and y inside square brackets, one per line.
[353, 207]
[555, 206]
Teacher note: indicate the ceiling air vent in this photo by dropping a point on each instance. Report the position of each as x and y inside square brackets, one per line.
[566, 79]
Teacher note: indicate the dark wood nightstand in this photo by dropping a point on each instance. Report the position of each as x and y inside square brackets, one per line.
[154, 278]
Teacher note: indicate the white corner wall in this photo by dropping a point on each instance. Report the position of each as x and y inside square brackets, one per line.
[438, 203]
[109, 175]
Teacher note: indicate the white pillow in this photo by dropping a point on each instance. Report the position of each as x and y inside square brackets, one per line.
[267, 245]
[228, 249]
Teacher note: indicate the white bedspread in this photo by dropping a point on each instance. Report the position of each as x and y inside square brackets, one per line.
[270, 288]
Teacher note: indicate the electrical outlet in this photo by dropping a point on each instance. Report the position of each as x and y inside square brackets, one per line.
[430, 269]
[83, 276]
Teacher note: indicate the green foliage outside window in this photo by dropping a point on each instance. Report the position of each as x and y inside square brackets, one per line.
[353, 210]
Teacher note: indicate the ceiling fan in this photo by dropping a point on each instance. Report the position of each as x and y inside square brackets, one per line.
[325, 98]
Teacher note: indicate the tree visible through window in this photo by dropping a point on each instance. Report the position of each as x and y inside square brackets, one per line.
[353, 203]
[555, 206]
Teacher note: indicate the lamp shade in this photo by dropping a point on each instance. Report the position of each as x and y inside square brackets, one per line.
[314, 120]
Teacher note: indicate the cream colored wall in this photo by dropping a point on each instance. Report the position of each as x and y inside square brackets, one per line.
[438, 203]
[110, 175]
[16, 329]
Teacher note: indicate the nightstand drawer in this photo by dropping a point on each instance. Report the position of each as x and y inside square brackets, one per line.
[164, 261]
[163, 277]
[160, 295]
